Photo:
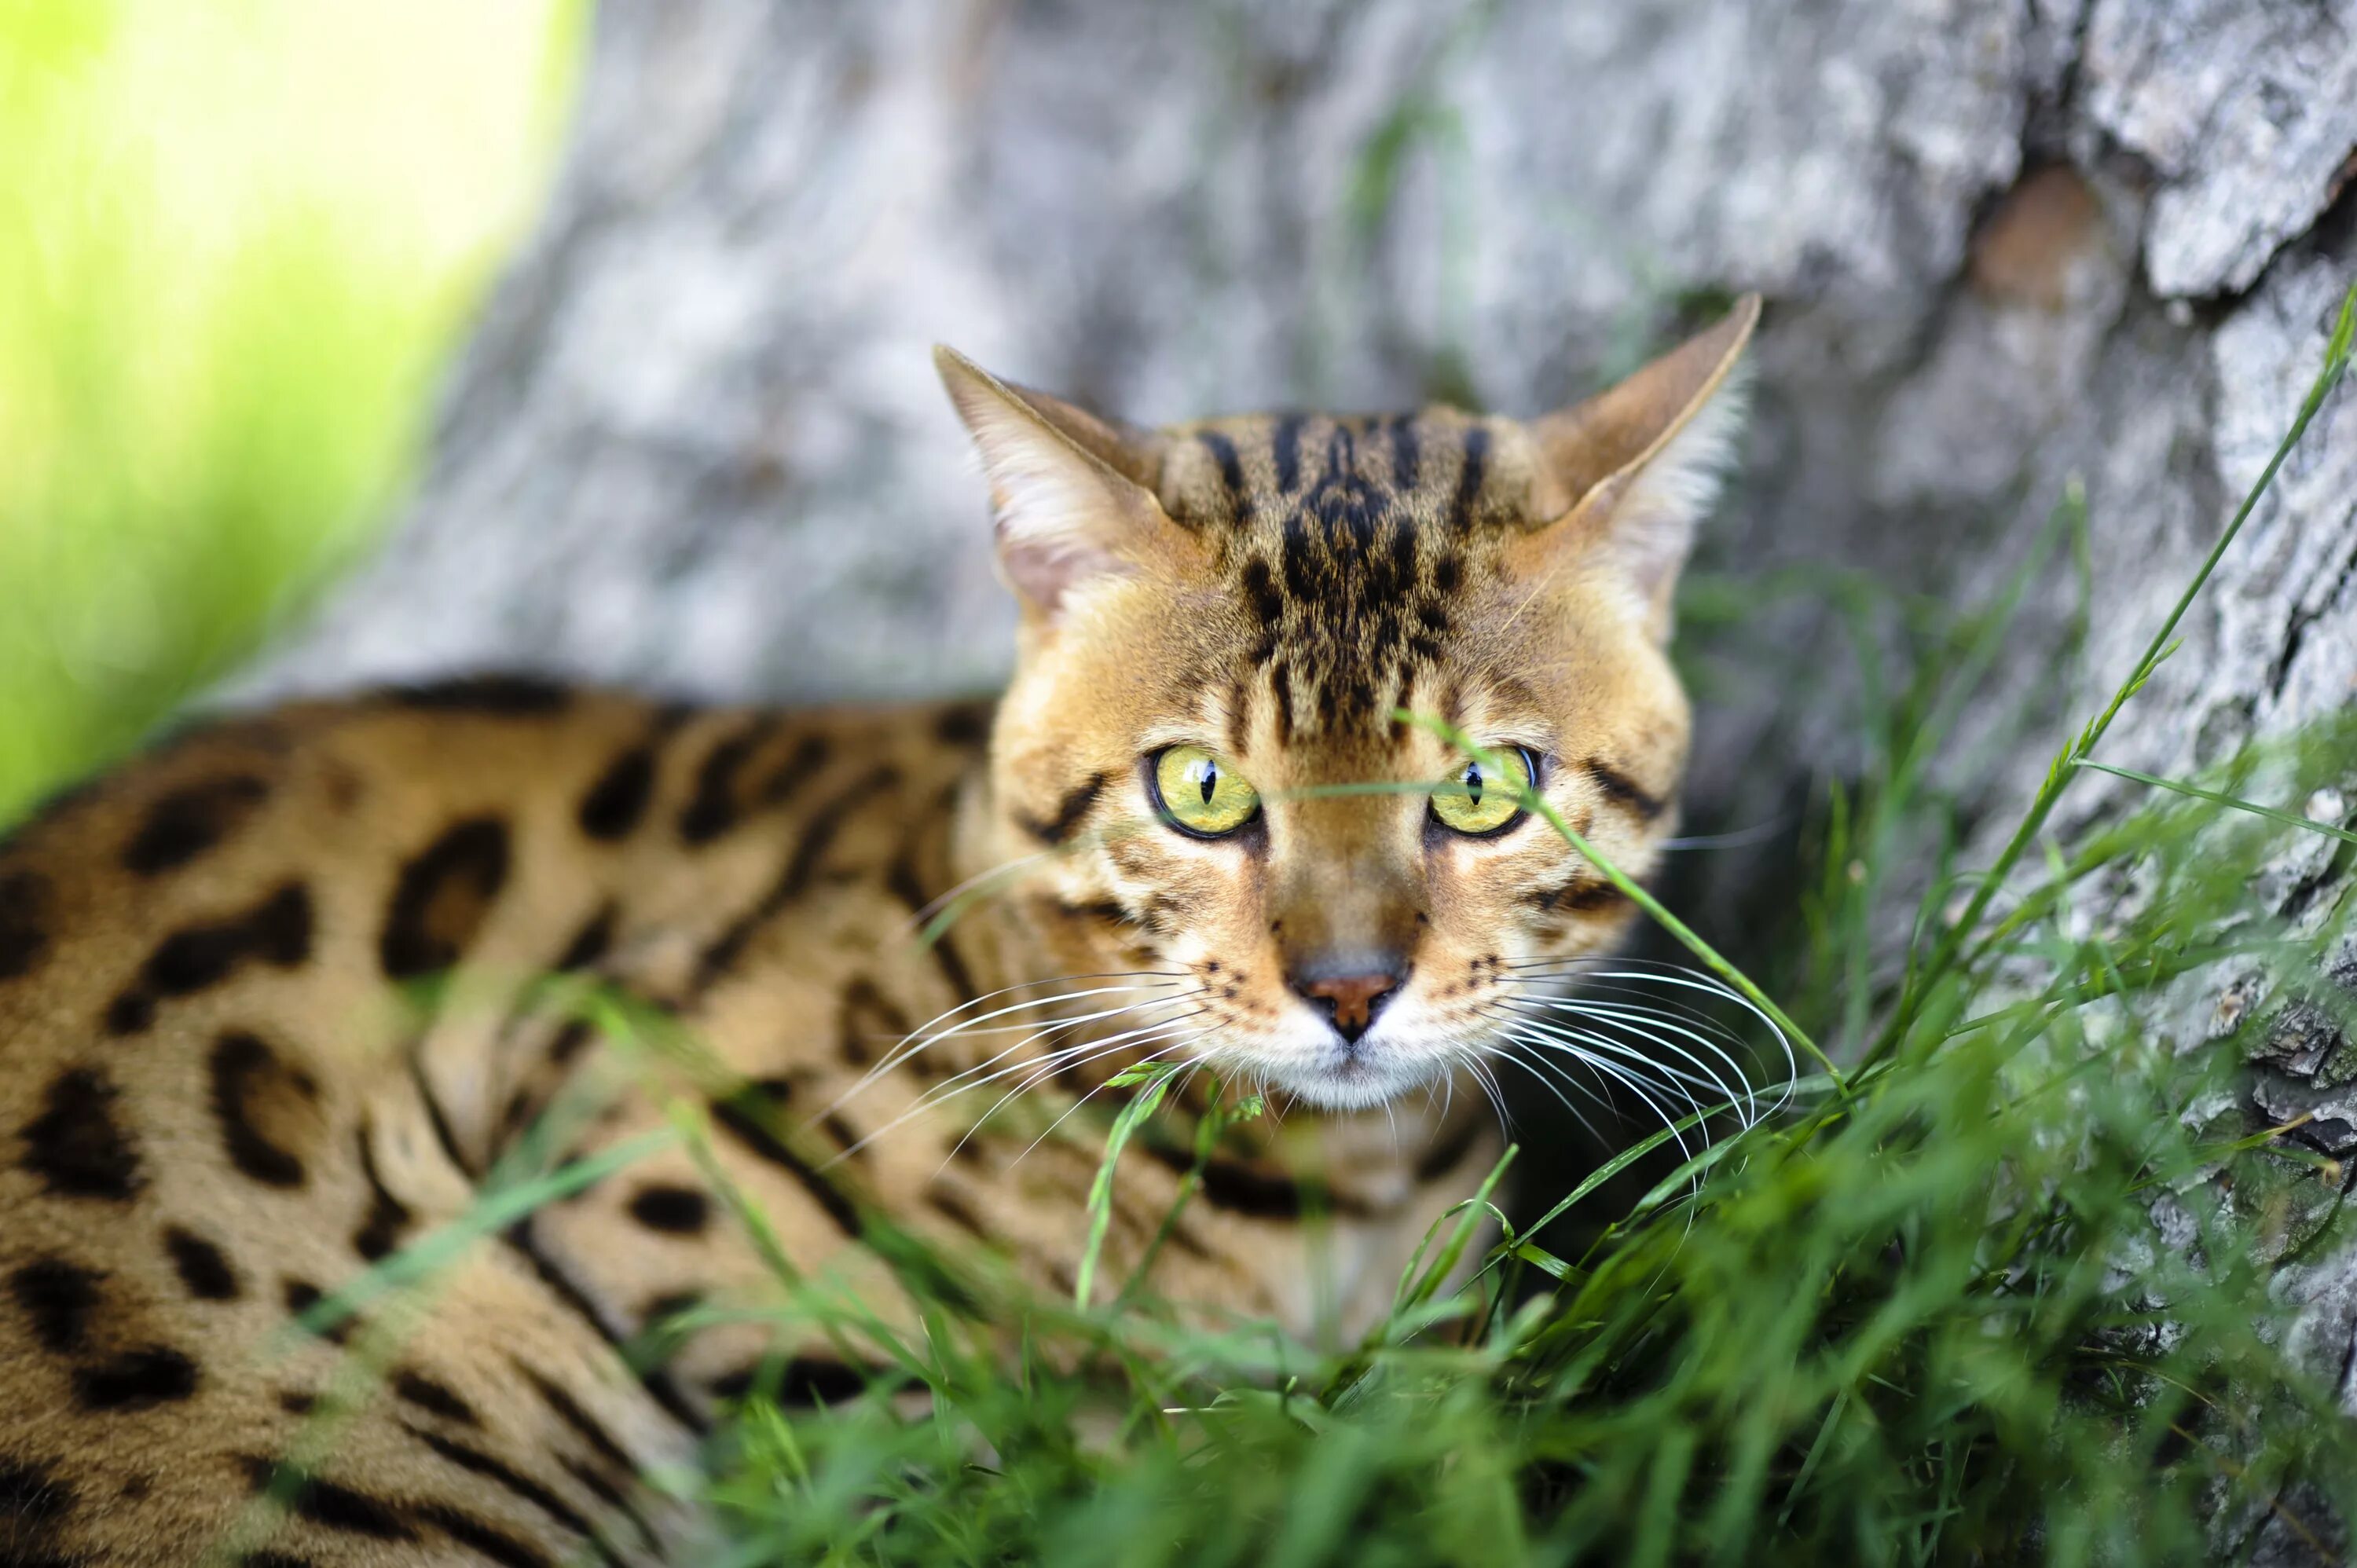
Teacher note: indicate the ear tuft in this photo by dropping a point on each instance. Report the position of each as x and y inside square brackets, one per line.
[1635, 467]
[1068, 491]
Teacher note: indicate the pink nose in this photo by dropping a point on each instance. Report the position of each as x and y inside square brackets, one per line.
[1351, 1001]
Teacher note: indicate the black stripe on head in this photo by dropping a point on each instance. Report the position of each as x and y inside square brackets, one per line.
[1266, 602]
[1231, 471]
[1286, 442]
[1470, 478]
[1406, 459]
[1621, 789]
[1074, 806]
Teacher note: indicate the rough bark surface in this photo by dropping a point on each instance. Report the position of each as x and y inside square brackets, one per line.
[697, 441]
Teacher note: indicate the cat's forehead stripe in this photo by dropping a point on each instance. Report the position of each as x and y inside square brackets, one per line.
[1345, 539]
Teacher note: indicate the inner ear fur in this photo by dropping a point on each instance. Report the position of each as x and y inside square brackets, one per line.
[1592, 450]
[1631, 470]
[1071, 494]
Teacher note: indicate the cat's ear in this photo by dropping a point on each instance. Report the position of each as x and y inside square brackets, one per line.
[1632, 469]
[1073, 494]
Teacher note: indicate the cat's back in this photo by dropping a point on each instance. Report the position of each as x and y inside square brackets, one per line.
[215, 967]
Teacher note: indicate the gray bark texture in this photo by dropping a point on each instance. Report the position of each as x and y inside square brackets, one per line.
[697, 441]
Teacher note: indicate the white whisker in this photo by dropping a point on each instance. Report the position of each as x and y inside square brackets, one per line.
[938, 1094]
[1080, 1055]
[930, 1035]
[1744, 1103]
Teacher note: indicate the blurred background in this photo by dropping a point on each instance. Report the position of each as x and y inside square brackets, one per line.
[237, 242]
[355, 341]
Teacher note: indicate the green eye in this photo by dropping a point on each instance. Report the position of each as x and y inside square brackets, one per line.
[1475, 800]
[1196, 790]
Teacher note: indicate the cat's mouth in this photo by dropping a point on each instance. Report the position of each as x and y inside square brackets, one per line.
[1357, 1074]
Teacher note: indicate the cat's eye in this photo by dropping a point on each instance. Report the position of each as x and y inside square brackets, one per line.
[1477, 799]
[1199, 794]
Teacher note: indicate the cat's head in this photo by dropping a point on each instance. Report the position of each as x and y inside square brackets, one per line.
[1222, 622]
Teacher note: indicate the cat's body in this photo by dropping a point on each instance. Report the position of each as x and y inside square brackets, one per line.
[276, 1002]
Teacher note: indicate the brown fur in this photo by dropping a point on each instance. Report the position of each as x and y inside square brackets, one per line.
[275, 1001]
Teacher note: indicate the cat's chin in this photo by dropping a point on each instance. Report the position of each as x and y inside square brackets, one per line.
[1346, 1079]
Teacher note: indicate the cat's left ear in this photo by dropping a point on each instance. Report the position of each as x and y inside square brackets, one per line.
[1632, 469]
[1072, 495]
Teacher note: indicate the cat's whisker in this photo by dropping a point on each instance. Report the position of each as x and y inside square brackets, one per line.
[1069, 1111]
[1546, 1079]
[1744, 1102]
[939, 1094]
[1660, 1077]
[1656, 972]
[1636, 1083]
[1490, 1090]
[934, 1028]
[1072, 1056]
[1643, 1021]
[956, 1084]
[930, 1035]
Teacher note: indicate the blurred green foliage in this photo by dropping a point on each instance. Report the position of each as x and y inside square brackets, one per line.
[237, 241]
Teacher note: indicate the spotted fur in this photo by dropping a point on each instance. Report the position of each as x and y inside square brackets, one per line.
[275, 1001]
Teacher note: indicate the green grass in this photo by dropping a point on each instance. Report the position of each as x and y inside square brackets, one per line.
[237, 241]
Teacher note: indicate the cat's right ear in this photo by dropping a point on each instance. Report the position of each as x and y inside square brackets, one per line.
[1072, 495]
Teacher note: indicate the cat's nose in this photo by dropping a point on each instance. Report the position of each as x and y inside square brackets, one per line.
[1350, 996]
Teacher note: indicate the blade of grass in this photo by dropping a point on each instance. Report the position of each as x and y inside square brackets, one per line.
[2215, 798]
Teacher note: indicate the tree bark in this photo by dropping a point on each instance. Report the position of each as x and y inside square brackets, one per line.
[697, 441]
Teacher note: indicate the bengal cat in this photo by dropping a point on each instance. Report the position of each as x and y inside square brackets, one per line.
[276, 1001]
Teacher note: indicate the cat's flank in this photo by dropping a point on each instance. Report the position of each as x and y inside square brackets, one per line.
[287, 997]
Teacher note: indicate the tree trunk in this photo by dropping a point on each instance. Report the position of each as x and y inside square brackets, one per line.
[697, 441]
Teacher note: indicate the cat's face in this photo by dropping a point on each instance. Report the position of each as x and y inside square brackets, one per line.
[1201, 744]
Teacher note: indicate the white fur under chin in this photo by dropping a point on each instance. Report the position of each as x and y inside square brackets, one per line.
[1357, 1080]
